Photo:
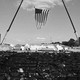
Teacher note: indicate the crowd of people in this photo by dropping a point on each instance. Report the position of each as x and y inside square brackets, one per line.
[39, 66]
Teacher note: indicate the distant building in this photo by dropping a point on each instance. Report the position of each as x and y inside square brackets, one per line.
[17, 47]
[5, 47]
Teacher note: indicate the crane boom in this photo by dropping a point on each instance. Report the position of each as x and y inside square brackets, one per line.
[12, 22]
[70, 19]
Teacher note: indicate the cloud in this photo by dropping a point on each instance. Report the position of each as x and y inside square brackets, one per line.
[41, 4]
[40, 38]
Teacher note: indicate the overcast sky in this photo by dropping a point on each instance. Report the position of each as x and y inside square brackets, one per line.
[57, 28]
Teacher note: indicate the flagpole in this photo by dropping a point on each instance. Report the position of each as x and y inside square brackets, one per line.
[12, 22]
[70, 19]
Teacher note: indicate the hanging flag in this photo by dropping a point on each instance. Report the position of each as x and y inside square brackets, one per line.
[45, 15]
[41, 17]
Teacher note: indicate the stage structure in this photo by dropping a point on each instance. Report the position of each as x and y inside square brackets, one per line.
[41, 15]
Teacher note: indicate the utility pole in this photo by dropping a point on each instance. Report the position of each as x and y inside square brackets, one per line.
[70, 19]
[12, 21]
